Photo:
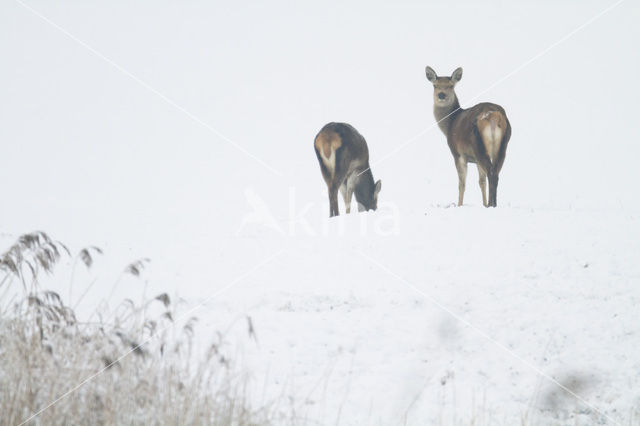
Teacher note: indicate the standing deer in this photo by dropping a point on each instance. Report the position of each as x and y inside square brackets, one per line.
[344, 161]
[478, 135]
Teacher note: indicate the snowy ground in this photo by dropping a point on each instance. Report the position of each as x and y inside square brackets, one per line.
[454, 320]
[111, 118]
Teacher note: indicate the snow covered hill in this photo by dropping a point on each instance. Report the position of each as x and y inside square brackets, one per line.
[472, 315]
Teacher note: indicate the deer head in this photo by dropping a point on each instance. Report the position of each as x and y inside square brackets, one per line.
[443, 87]
[367, 194]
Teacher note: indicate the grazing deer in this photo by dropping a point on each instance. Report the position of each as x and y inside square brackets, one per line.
[344, 161]
[478, 135]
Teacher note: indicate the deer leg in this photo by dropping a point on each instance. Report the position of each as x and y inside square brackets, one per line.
[483, 184]
[493, 188]
[346, 196]
[461, 166]
[333, 201]
[343, 191]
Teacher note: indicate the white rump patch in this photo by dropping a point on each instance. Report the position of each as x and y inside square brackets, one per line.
[329, 162]
[492, 138]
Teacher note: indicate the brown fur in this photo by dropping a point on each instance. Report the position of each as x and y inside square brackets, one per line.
[467, 135]
[327, 142]
[491, 126]
[343, 156]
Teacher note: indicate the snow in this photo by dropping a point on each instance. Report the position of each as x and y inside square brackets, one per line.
[461, 320]
[418, 313]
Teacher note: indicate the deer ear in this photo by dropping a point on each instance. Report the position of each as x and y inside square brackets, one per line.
[378, 187]
[431, 74]
[457, 75]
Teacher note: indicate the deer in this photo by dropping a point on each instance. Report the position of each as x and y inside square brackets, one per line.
[344, 162]
[479, 134]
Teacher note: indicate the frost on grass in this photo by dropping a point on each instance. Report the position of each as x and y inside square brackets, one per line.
[134, 369]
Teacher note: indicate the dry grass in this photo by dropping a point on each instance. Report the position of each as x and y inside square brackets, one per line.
[55, 370]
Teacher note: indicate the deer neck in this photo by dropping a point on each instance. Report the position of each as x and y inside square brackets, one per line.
[446, 114]
[364, 187]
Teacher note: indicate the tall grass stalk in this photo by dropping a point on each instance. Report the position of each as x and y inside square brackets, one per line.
[45, 352]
